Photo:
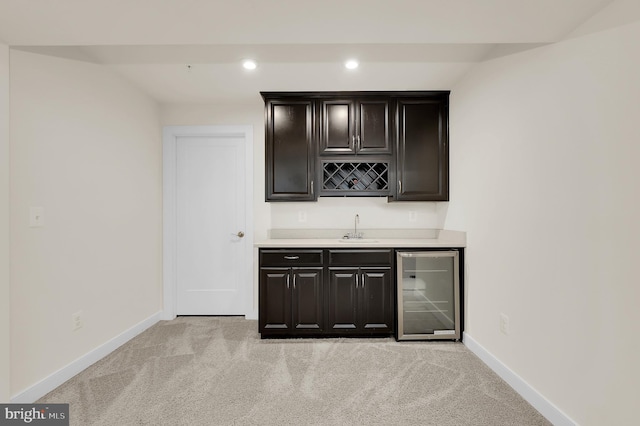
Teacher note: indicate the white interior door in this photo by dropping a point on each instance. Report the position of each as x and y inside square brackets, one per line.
[210, 225]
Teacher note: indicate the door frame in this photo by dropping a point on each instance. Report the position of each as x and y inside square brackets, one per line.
[170, 136]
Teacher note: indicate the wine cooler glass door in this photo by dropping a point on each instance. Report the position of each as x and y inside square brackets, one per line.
[428, 299]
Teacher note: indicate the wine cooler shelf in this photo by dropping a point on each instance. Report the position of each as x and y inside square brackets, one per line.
[366, 177]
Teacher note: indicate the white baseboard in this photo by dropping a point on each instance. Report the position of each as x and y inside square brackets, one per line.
[46, 385]
[251, 315]
[532, 396]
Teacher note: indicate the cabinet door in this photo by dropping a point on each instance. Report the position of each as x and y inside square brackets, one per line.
[337, 126]
[275, 299]
[289, 150]
[373, 132]
[307, 306]
[423, 150]
[343, 299]
[351, 126]
[376, 300]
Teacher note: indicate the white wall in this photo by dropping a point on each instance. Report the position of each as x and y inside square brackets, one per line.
[545, 148]
[4, 226]
[86, 147]
[374, 212]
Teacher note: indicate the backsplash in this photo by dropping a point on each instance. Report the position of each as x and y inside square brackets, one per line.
[374, 212]
[367, 233]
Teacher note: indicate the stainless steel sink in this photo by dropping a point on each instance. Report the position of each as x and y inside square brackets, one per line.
[357, 240]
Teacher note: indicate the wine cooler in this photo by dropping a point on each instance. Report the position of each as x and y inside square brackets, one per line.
[428, 295]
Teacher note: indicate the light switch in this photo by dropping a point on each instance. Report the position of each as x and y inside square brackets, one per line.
[302, 216]
[36, 217]
[413, 216]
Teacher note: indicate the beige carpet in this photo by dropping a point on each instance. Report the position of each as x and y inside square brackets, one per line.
[217, 371]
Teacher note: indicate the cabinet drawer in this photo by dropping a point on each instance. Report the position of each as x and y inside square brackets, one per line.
[359, 257]
[291, 257]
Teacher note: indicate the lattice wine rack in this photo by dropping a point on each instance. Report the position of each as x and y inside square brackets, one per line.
[345, 176]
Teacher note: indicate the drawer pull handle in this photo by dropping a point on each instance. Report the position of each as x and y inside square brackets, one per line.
[292, 257]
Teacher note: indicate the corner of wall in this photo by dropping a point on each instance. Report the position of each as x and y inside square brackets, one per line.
[84, 145]
[544, 153]
[617, 13]
[5, 331]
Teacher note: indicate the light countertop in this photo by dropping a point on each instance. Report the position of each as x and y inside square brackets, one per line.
[372, 239]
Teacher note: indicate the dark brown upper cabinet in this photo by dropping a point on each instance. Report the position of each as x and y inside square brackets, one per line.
[422, 149]
[393, 144]
[290, 151]
[355, 126]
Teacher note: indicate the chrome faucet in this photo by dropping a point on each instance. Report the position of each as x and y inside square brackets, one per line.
[355, 233]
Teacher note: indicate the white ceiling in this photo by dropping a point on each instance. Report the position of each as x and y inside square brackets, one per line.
[190, 50]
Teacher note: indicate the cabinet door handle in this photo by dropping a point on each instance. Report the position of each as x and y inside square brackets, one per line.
[399, 187]
[294, 282]
[288, 277]
[363, 281]
[359, 143]
[357, 279]
[292, 257]
[312, 188]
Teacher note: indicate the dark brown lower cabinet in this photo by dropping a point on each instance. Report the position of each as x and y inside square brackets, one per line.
[360, 300]
[291, 300]
[326, 292]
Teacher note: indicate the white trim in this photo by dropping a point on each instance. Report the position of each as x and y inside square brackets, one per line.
[532, 396]
[169, 149]
[46, 385]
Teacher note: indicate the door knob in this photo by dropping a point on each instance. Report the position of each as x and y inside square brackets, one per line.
[240, 234]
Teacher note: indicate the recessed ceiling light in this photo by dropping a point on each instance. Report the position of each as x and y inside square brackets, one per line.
[351, 64]
[249, 64]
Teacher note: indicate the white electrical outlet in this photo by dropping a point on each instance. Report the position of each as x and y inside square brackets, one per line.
[504, 324]
[302, 216]
[76, 321]
[413, 216]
